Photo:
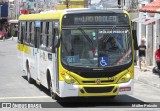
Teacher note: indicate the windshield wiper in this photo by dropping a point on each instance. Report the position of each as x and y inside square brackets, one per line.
[87, 37]
[110, 34]
[65, 47]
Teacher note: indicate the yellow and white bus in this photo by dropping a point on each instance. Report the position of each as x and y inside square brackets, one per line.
[78, 52]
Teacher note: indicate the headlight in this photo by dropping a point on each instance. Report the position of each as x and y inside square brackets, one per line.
[125, 78]
[128, 75]
[68, 79]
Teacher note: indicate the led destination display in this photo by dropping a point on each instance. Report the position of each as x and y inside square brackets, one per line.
[95, 19]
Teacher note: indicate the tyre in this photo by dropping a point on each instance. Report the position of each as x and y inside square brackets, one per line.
[29, 78]
[52, 94]
[154, 70]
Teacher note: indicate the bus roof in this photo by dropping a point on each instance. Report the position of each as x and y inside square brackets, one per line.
[89, 10]
[41, 16]
[57, 14]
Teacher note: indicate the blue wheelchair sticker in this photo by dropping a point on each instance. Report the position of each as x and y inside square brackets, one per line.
[103, 61]
[72, 59]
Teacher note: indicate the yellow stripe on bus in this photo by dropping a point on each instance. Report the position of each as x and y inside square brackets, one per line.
[26, 49]
[20, 47]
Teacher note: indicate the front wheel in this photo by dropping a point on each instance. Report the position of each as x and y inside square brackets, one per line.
[29, 78]
[111, 97]
[53, 95]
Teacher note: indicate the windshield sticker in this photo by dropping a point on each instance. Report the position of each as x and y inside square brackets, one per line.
[72, 59]
[116, 31]
[103, 61]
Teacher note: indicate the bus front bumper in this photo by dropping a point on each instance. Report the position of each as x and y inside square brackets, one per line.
[70, 90]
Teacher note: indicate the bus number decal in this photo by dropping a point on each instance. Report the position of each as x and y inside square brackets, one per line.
[72, 59]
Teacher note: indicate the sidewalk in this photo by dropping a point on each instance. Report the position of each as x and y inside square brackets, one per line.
[10, 38]
[147, 77]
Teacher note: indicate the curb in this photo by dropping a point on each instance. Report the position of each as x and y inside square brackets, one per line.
[145, 80]
[148, 82]
[149, 68]
[10, 39]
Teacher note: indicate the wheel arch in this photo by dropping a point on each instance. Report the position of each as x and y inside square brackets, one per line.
[27, 64]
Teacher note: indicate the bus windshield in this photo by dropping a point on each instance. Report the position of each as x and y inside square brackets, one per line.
[89, 47]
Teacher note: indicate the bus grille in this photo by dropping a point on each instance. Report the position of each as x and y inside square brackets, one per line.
[103, 81]
[97, 74]
[98, 89]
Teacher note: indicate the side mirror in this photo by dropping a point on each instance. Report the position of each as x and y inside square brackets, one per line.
[56, 41]
[134, 34]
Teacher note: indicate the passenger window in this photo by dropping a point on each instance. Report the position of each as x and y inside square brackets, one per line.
[43, 38]
[47, 32]
[27, 37]
[56, 36]
[32, 34]
[19, 31]
[37, 37]
[29, 32]
[25, 32]
[41, 34]
[50, 36]
[37, 33]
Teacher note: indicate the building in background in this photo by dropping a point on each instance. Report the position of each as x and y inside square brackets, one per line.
[3, 13]
[17, 7]
[148, 27]
[65, 4]
[105, 4]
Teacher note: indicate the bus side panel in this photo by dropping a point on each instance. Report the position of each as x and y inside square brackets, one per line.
[20, 52]
[30, 56]
[26, 57]
[20, 55]
[55, 76]
[32, 62]
[45, 63]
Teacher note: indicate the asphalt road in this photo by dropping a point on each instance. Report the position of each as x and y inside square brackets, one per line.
[15, 88]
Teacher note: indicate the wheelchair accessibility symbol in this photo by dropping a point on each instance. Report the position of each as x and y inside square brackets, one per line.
[104, 61]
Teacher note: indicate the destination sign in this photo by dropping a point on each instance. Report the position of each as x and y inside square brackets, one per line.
[95, 19]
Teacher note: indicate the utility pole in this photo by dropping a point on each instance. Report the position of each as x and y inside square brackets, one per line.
[46, 6]
[51, 5]
[37, 6]
[16, 9]
[67, 4]
[0, 10]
